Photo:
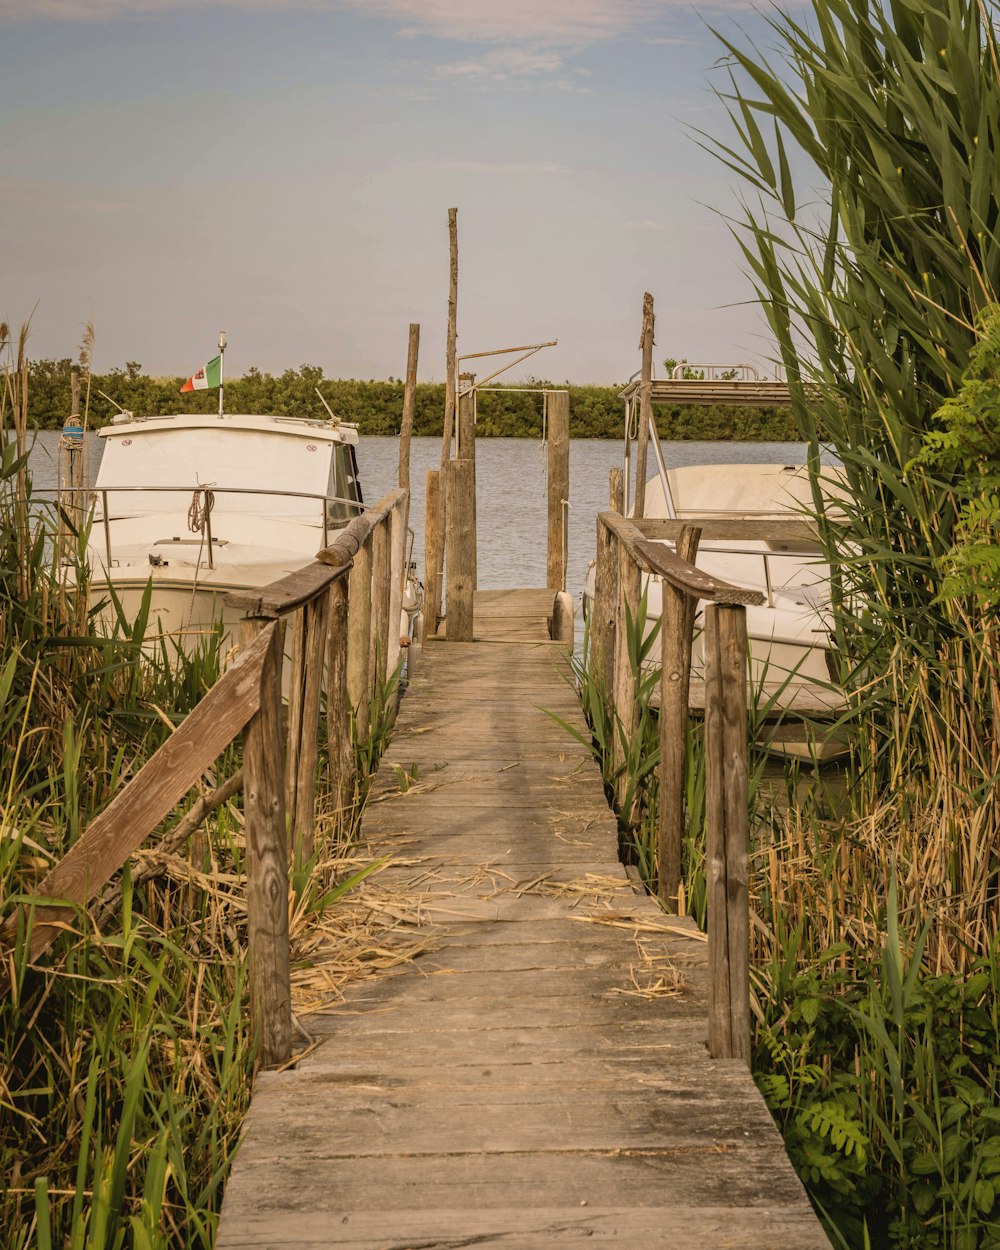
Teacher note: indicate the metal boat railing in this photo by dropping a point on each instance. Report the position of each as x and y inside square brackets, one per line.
[206, 510]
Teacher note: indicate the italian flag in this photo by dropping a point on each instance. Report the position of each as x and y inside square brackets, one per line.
[206, 379]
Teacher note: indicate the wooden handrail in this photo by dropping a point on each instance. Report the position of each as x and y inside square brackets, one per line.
[146, 800]
[738, 529]
[623, 551]
[304, 585]
[690, 579]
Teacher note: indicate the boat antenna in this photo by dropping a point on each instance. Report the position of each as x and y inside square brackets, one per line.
[222, 364]
[125, 412]
[333, 417]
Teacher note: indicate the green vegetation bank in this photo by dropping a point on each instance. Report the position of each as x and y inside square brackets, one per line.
[376, 406]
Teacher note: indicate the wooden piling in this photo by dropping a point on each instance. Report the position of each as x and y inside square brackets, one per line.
[558, 475]
[727, 831]
[451, 344]
[409, 402]
[338, 721]
[616, 492]
[460, 485]
[359, 632]
[433, 550]
[676, 625]
[267, 859]
[645, 406]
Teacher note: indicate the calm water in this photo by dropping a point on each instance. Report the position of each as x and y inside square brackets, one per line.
[512, 500]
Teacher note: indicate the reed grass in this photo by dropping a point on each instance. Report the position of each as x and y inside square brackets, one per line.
[126, 1057]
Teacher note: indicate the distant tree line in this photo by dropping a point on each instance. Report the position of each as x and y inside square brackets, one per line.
[376, 406]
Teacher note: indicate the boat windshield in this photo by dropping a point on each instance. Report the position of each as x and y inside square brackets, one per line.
[344, 485]
[286, 468]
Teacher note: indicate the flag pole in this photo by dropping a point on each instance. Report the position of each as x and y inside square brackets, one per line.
[222, 366]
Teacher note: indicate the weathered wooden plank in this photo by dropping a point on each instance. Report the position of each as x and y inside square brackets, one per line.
[541, 1227]
[148, 799]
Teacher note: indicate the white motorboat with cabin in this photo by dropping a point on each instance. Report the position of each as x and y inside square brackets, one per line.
[756, 535]
[194, 506]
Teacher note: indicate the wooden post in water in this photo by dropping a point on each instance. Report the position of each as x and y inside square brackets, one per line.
[267, 859]
[338, 712]
[451, 342]
[558, 475]
[409, 402]
[645, 406]
[460, 484]
[433, 552]
[727, 831]
[359, 632]
[676, 626]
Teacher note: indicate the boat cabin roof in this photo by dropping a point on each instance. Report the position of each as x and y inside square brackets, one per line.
[258, 423]
[252, 461]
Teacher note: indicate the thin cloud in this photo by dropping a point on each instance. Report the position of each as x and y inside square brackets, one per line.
[567, 24]
[501, 168]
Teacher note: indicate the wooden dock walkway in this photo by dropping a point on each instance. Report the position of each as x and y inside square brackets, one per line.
[540, 1078]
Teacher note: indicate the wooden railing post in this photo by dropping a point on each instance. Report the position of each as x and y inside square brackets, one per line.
[604, 615]
[432, 552]
[397, 554]
[381, 572]
[466, 450]
[727, 831]
[314, 625]
[267, 859]
[676, 628]
[629, 589]
[338, 711]
[359, 631]
[558, 489]
[460, 485]
[296, 684]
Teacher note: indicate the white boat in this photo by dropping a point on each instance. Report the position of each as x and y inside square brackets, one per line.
[792, 661]
[195, 506]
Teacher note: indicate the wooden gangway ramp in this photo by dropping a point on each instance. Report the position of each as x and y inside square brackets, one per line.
[539, 1078]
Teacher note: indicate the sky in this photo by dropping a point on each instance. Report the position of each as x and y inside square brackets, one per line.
[283, 170]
